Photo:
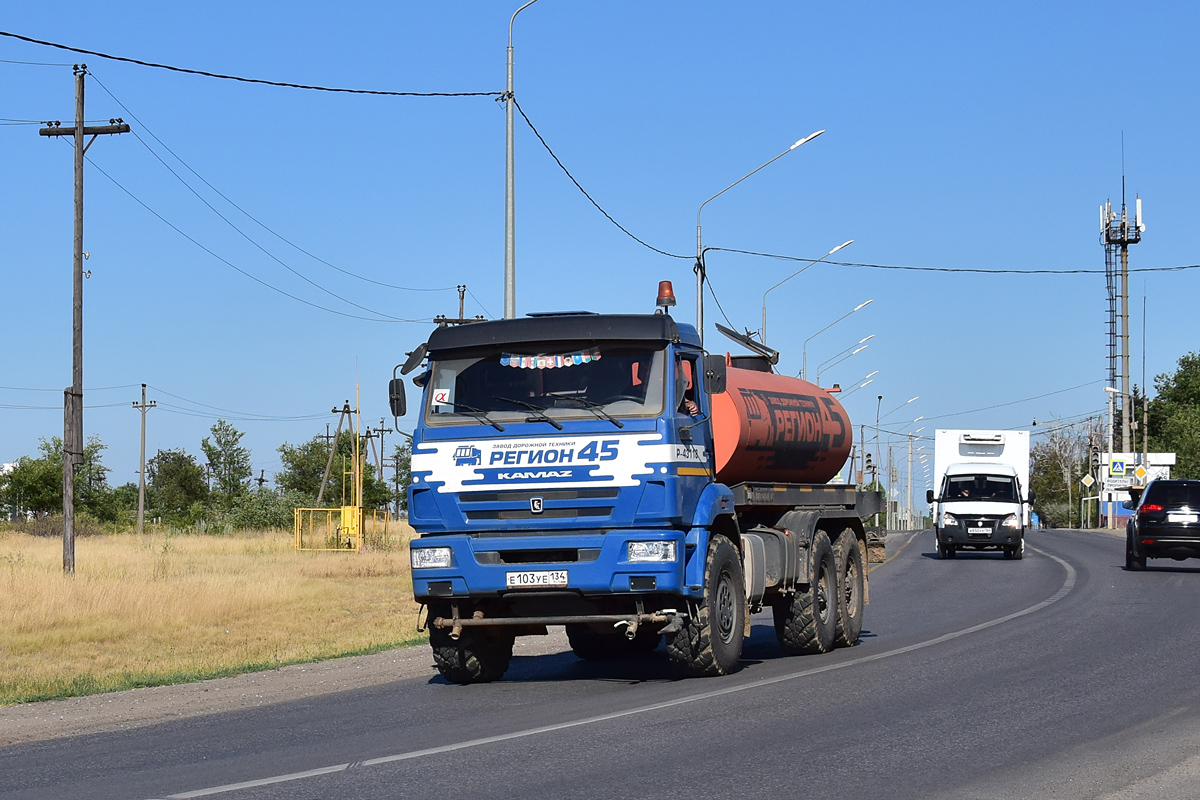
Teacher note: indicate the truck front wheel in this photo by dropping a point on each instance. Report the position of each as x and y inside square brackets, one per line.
[710, 642]
[479, 655]
[806, 622]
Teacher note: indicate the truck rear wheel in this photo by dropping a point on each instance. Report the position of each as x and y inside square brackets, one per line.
[710, 642]
[593, 645]
[479, 655]
[847, 555]
[806, 622]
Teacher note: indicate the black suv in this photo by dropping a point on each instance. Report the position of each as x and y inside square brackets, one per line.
[1165, 523]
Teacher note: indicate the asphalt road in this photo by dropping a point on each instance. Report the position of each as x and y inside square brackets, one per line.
[1059, 676]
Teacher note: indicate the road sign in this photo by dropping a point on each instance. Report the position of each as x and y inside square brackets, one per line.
[1116, 469]
[1087, 481]
[1140, 472]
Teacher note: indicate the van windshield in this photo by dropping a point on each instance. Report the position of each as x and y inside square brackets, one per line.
[562, 383]
[996, 488]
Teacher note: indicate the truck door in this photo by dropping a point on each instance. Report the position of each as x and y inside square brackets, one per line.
[692, 410]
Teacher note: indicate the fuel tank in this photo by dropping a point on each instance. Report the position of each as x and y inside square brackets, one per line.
[772, 428]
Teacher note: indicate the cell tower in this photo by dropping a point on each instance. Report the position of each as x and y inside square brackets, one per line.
[1117, 232]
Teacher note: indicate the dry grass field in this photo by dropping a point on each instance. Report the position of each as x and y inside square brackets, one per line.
[164, 608]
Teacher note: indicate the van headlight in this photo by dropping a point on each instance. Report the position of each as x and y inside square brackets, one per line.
[949, 519]
[429, 557]
[1011, 521]
[642, 552]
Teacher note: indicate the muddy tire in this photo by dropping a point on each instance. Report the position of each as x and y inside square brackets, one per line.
[710, 642]
[806, 622]
[479, 655]
[591, 644]
[847, 555]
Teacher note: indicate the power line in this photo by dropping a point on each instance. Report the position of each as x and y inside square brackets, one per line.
[89, 388]
[206, 74]
[1014, 402]
[476, 299]
[34, 63]
[585, 194]
[230, 410]
[974, 270]
[236, 268]
[251, 217]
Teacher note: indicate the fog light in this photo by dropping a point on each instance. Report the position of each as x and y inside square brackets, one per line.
[641, 552]
[429, 557]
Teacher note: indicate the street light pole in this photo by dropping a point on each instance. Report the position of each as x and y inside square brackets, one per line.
[804, 348]
[510, 203]
[763, 333]
[699, 239]
[842, 355]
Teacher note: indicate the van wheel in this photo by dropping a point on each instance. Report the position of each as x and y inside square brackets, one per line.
[710, 642]
[806, 622]
[847, 555]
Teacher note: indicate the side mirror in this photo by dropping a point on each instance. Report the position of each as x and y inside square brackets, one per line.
[1127, 504]
[714, 374]
[929, 495]
[1032, 497]
[396, 399]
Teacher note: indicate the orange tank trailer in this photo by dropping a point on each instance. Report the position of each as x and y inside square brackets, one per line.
[776, 429]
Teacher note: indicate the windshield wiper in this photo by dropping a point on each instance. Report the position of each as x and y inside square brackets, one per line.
[595, 408]
[477, 413]
[539, 415]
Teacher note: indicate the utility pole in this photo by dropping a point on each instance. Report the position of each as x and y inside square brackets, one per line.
[908, 504]
[380, 431]
[143, 407]
[73, 397]
[342, 413]
[441, 320]
[1117, 233]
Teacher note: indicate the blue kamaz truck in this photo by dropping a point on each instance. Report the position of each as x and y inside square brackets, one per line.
[602, 472]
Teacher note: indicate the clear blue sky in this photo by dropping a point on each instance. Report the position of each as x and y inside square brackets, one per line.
[960, 135]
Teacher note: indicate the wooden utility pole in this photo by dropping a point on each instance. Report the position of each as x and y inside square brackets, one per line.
[143, 407]
[343, 412]
[73, 398]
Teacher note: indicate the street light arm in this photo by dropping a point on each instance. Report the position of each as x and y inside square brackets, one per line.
[763, 333]
[514, 19]
[804, 347]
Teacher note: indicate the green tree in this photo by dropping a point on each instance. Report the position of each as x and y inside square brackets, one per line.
[228, 462]
[1059, 461]
[1175, 416]
[403, 477]
[35, 484]
[176, 486]
[262, 509]
[304, 465]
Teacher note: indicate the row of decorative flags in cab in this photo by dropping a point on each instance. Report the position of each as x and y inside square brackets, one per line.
[551, 362]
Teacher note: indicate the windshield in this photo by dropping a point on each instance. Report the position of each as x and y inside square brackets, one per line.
[595, 380]
[999, 488]
[1174, 494]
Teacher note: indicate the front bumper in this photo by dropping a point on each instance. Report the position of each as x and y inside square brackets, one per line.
[596, 563]
[999, 537]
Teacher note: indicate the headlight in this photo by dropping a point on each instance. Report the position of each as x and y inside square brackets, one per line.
[949, 519]
[429, 557]
[1011, 521]
[651, 551]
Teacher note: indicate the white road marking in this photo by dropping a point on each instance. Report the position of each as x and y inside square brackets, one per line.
[1062, 592]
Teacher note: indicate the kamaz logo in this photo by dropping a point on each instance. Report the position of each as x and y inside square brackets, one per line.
[536, 505]
[533, 476]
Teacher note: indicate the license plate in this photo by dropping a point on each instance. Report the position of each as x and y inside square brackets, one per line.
[526, 580]
[1182, 517]
[979, 530]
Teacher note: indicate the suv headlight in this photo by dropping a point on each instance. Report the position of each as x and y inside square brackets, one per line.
[642, 552]
[1011, 521]
[429, 557]
[949, 519]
